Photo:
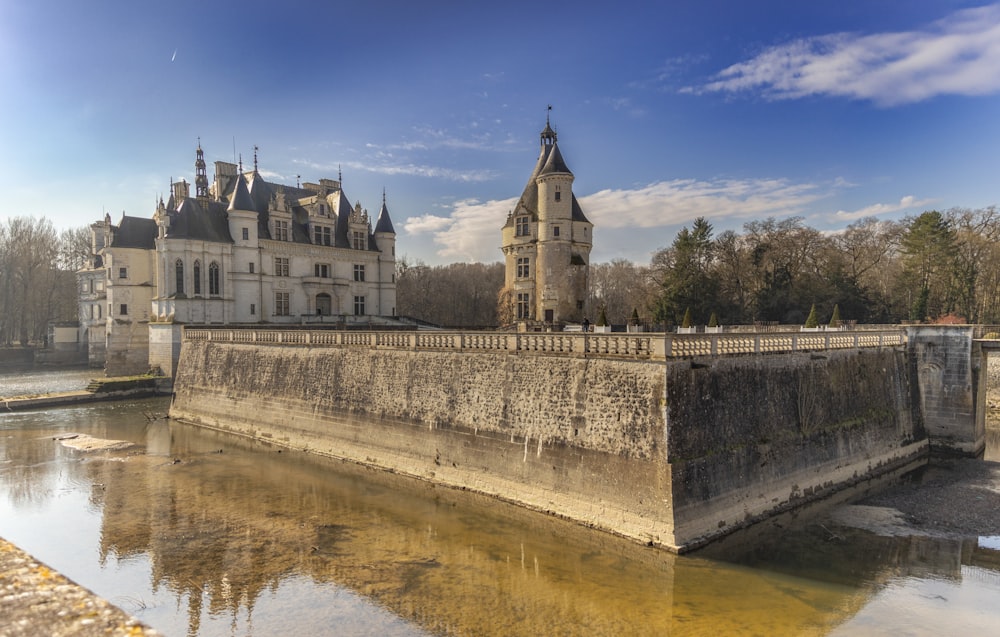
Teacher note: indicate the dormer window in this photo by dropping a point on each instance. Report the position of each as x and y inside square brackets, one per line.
[280, 230]
[359, 241]
[522, 228]
[322, 235]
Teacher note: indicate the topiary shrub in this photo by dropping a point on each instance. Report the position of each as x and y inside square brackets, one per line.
[811, 321]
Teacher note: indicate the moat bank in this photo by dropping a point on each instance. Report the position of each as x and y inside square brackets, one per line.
[667, 452]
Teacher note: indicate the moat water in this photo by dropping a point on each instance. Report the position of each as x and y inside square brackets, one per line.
[201, 533]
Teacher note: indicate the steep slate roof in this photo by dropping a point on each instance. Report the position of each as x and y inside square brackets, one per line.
[554, 163]
[241, 199]
[262, 193]
[550, 161]
[135, 232]
[384, 223]
[191, 221]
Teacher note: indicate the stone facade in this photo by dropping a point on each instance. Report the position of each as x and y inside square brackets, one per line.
[241, 250]
[546, 245]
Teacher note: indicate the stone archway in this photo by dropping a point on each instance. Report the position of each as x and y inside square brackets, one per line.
[324, 304]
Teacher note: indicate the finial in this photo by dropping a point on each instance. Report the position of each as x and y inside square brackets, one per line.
[255, 157]
[241, 163]
[340, 175]
[549, 110]
[383, 195]
[297, 177]
[199, 142]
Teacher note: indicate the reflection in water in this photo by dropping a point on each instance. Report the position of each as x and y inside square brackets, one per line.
[201, 533]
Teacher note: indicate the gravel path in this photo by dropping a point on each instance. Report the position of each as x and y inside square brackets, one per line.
[949, 498]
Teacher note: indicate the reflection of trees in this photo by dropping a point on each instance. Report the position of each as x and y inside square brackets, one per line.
[223, 528]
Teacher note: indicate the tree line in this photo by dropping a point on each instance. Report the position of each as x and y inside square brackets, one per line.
[37, 277]
[921, 268]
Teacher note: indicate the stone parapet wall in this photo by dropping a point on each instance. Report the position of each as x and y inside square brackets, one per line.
[670, 452]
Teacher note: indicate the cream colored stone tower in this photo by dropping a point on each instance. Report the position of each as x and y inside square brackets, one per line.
[546, 244]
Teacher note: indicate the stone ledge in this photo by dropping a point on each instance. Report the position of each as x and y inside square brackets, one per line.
[35, 600]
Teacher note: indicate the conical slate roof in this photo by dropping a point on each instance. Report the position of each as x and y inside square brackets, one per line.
[384, 223]
[554, 163]
[241, 197]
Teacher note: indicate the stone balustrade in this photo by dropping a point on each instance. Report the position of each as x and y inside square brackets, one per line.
[632, 345]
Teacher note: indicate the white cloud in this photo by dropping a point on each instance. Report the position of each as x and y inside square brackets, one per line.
[679, 201]
[906, 203]
[426, 223]
[471, 230]
[958, 55]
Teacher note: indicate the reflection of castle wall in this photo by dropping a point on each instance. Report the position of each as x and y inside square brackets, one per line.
[222, 528]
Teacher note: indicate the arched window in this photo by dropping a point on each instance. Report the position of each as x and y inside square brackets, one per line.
[197, 277]
[179, 270]
[213, 279]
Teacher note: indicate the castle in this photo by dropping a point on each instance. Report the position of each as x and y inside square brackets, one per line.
[546, 244]
[240, 251]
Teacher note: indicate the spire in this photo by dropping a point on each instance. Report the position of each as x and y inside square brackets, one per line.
[548, 136]
[241, 196]
[200, 175]
[384, 223]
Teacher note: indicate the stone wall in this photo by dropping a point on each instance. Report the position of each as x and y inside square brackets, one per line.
[749, 436]
[578, 437]
[668, 453]
[948, 366]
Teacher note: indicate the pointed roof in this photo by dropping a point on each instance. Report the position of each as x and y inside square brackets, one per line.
[241, 199]
[554, 163]
[384, 223]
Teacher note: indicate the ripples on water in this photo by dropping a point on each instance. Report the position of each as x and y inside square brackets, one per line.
[200, 533]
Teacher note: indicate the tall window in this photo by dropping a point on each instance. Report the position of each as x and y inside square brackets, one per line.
[323, 270]
[359, 306]
[122, 273]
[179, 272]
[522, 227]
[281, 304]
[246, 234]
[321, 235]
[359, 272]
[359, 241]
[558, 194]
[213, 279]
[280, 266]
[197, 277]
[523, 267]
[123, 310]
[523, 305]
[555, 231]
[251, 267]
[280, 230]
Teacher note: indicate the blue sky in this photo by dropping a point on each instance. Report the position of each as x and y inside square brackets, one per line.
[665, 111]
